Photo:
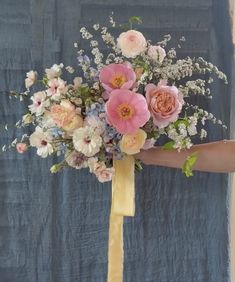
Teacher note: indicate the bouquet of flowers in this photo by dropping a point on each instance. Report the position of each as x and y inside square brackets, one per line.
[123, 102]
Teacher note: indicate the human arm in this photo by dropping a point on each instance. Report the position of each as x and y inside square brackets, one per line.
[216, 156]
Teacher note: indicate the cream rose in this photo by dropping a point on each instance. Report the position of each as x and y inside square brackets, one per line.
[156, 53]
[132, 143]
[132, 43]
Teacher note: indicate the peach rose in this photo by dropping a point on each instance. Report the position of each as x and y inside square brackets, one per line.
[76, 122]
[132, 143]
[165, 103]
[21, 148]
[65, 116]
[132, 43]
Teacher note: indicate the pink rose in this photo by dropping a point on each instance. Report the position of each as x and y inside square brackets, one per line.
[132, 43]
[21, 148]
[117, 76]
[164, 102]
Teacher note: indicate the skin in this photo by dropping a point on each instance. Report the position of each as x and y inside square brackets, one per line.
[212, 157]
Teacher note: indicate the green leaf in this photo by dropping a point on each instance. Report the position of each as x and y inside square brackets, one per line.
[135, 19]
[153, 134]
[169, 145]
[189, 163]
[138, 165]
[180, 121]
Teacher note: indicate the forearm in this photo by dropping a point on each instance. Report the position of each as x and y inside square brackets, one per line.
[212, 157]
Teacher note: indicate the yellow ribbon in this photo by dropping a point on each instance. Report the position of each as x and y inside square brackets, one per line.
[123, 204]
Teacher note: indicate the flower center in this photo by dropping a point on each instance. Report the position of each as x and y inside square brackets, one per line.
[131, 141]
[118, 80]
[165, 103]
[132, 37]
[125, 111]
[43, 142]
[87, 140]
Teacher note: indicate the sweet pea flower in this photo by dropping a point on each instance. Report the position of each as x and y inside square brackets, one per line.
[77, 82]
[132, 43]
[56, 88]
[54, 72]
[103, 173]
[165, 103]
[149, 143]
[132, 143]
[126, 110]
[31, 77]
[117, 76]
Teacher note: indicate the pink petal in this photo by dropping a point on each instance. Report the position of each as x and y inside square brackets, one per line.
[128, 84]
[150, 87]
[107, 87]
[162, 82]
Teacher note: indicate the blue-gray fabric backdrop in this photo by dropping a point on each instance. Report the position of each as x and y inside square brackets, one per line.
[55, 228]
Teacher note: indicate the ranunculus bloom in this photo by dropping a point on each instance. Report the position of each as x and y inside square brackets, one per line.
[65, 116]
[40, 103]
[132, 43]
[41, 140]
[21, 147]
[76, 159]
[132, 143]
[127, 111]
[117, 76]
[87, 141]
[156, 53]
[165, 103]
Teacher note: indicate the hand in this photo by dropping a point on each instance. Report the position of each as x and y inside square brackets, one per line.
[144, 156]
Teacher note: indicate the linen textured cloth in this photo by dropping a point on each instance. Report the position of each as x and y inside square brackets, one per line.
[54, 228]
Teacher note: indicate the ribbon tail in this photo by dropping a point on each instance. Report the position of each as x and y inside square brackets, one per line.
[115, 257]
[123, 204]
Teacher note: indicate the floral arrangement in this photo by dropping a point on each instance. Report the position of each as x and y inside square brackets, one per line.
[122, 103]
